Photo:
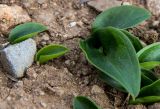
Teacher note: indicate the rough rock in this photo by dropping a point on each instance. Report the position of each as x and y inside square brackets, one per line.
[17, 58]
[154, 6]
[154, 106]
[101, 5]
[11, 16]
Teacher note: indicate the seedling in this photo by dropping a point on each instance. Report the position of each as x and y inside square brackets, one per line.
[50, 52]
[82, 102]
[120, 56]
[117, 59]
[31, 29]
[25, 31]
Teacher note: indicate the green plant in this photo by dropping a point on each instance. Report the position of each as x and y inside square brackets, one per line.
[31, 29]
[121, 58]
[115, 56]
[49, 52]
[25, 31]
[82, 102]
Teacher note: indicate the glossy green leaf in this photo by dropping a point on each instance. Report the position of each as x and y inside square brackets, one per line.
[122, 17]
[116, 57]
[81, 102]
[149, 56]
[50, 52]
[135, 40]
[25, 31]
[147, 77]
[148, 94]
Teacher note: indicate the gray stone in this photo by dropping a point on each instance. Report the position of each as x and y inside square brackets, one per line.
[101, 5]
[18, 57]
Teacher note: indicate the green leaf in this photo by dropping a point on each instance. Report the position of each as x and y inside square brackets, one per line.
[108, 80]
[116, 57]
[149, 65]
[145, 100]
[149, 56]
[25, 31]
[50, 52]
[147, 77]
[148, 94]
[81, 102]
[122, 17]
[135, 40]
[150, 90]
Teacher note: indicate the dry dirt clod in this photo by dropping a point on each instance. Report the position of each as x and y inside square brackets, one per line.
[16, 58]
[154, 6]
[102, 5]
[11, 16]
[154, 106]
[136, 107]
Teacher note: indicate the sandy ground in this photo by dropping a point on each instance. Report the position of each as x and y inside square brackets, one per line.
[54, 84]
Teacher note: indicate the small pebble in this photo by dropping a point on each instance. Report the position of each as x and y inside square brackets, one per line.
[41, 1]
[43, 104]
[8, 98]
[155, 23]
[72, 24]
[45, 37]
[96, 89]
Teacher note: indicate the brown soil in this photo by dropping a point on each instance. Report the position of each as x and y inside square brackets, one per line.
[54, 84]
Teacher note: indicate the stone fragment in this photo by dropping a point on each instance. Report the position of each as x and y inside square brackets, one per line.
[11, 16]
[101, 5]
[154, 6]
[18, 57]
[96, 90]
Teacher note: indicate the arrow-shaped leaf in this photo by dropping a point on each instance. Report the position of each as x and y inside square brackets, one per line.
[116, 57]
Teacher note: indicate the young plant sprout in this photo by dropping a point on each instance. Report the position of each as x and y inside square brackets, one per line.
[31, 29]
[25, 31]
[121, 58]
[50, 52]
